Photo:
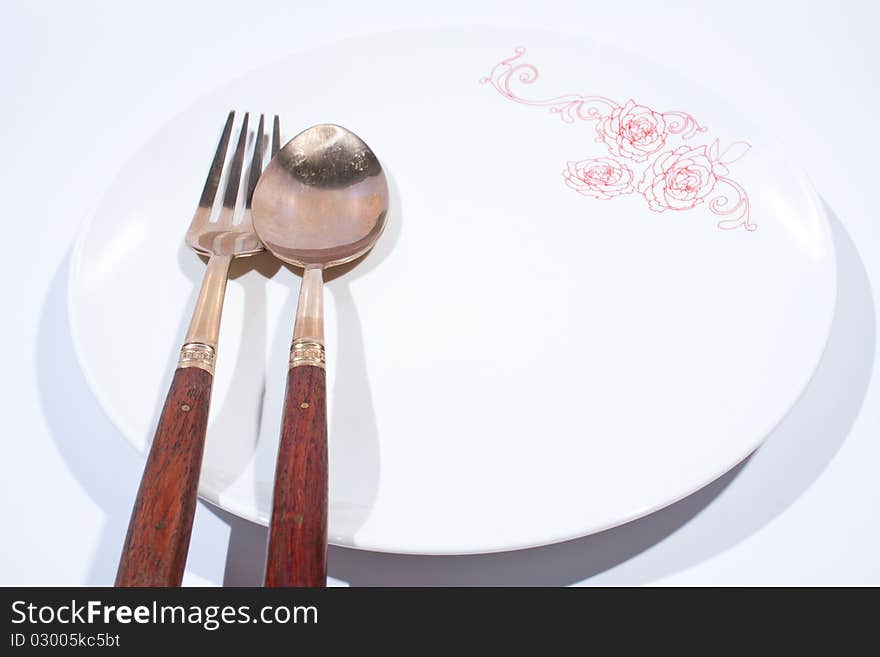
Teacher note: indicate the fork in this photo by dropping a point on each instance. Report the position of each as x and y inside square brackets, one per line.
[156, 545]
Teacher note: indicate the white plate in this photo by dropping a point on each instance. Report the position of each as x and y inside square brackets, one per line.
[535, 350]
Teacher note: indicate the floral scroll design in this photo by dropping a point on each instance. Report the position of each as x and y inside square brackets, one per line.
[649, 152]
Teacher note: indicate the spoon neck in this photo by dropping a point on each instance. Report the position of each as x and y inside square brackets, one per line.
[310, 308]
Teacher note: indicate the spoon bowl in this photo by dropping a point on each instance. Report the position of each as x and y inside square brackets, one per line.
[323, 199]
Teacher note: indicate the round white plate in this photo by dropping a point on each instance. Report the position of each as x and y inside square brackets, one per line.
[599, 289]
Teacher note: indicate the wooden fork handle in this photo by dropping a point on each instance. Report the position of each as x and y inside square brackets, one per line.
[297, 553]
[158, 535]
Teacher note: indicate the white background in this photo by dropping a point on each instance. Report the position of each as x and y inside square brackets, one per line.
[84, 84]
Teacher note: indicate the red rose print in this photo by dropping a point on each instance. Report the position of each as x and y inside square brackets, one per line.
[633, 131]
[669, 178]
[679, 179]
[600, 177]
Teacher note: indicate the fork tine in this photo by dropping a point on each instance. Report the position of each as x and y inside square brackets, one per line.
[256, 165]
[276, 136]
[234, 179]
[213, 181]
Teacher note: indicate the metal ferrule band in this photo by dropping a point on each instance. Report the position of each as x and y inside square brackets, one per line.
[307, 351]
[197, 354]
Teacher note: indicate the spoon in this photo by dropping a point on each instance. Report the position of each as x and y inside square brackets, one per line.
[321, 202]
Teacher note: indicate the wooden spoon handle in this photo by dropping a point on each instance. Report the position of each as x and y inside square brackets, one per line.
[298, 530]
[158, 535]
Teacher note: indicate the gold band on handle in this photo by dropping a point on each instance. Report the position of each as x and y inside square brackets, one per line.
[197, 354]
[307, 351]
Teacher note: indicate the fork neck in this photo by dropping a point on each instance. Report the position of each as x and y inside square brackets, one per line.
[205, 325]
